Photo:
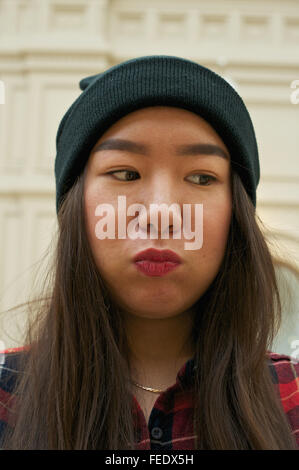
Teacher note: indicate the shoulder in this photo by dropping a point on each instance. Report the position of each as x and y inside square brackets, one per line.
[284, 370]
[9, 369]
[285, 375]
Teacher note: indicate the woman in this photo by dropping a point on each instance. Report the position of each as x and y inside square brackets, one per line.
[142, 342]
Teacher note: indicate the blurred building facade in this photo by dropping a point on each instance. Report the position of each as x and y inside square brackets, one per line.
[47, 46]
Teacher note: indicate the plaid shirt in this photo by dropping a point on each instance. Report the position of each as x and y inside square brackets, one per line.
[170, 424]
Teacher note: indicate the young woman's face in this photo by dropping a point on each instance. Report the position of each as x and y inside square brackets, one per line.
[161, 174]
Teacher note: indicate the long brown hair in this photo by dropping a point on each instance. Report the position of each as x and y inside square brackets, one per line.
[73, 390]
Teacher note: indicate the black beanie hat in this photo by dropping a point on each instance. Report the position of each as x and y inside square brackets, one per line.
[149, 81]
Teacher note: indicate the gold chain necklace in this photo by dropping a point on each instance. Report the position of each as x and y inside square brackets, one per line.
[149, 389]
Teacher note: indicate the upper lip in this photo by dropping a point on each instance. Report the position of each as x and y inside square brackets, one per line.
[157, 255]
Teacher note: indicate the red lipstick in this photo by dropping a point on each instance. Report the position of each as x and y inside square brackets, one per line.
[156, 262]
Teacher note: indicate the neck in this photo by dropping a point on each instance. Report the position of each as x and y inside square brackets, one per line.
[158, 347]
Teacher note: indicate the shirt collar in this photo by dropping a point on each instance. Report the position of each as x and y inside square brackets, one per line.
[185, 375]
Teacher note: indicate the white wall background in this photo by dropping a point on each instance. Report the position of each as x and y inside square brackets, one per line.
[47, 46]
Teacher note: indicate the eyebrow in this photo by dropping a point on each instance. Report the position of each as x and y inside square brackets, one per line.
[139, 148]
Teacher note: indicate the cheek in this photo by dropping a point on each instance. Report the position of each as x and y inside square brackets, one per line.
[90, 218]
[205, 262]
[216, 224]
[108, 253]
[93, 196]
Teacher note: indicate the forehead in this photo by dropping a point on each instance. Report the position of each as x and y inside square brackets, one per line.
[163, 125]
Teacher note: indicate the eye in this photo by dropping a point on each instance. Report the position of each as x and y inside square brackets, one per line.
[209, 177]
[130, 172]
[128, 175]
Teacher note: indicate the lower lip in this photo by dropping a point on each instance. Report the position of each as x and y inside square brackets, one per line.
[155, 268]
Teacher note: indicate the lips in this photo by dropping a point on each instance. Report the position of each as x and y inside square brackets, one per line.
[153, 262]
[158, 256]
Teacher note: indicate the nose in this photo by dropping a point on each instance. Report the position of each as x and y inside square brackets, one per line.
[161, 215]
